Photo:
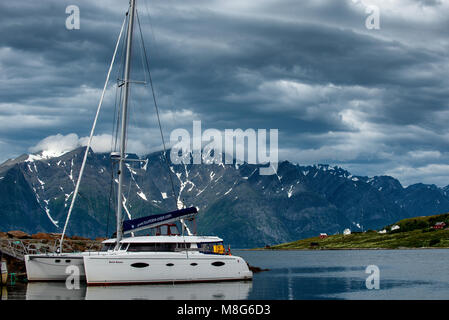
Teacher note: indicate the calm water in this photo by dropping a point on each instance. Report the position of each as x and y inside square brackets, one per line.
[404, 274]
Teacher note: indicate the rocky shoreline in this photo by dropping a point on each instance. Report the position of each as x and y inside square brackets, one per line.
[20, 235]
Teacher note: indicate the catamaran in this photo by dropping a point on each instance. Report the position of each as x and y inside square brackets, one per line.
[166, 257]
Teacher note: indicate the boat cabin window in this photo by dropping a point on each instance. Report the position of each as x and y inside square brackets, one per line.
[145, 247]
[107, 246]
[212, 247]
[183, 245]
[124, 246]
[169, 229]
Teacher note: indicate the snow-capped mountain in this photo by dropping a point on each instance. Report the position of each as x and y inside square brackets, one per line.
[235, 202]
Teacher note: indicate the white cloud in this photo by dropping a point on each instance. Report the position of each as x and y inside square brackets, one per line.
[100, 143]
[425, 155]
[178, 117]
[57, 145]
[432, 173]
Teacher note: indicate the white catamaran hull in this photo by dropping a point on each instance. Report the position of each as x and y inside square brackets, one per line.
[163, 267]
[53, 267]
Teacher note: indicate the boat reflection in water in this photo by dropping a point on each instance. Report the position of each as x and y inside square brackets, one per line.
[235, 290]
[54, 291]
[193, 291]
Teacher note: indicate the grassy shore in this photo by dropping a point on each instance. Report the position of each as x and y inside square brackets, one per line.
[412, 233]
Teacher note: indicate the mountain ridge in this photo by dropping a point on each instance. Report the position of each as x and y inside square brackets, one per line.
[235, 202]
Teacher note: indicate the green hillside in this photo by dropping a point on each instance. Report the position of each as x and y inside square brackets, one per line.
[412, 233]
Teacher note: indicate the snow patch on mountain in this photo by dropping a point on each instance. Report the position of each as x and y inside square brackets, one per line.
[144, 167]
[201, 191]
[40, 181]
[126, 208]
[67, 196]
[142, 195]
[47, 211]
[182, 186]
[44, 155]
[290, 191]
[71, 173]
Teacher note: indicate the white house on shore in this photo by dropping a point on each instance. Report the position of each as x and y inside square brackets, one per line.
[347, 231]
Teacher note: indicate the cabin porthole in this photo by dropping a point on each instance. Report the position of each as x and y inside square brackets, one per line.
[139, 265]
[194, 264]
[169, 264]
[218, 263]
[57, 261]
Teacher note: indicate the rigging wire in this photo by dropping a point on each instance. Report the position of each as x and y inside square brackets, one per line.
[157, 111]
[151, 27]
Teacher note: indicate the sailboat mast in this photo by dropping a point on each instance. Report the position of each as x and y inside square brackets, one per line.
[126, 81]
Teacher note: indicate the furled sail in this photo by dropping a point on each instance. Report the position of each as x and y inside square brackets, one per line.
[152, 221]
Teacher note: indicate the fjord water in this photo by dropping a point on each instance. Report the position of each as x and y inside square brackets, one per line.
[295, 275]
[341, 274]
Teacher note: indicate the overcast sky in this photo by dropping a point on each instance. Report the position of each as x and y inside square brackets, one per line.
[371, 101]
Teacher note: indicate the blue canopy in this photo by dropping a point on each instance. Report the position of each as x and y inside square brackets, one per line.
[138, 224]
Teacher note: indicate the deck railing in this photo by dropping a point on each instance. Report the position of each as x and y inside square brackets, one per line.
[18, 248]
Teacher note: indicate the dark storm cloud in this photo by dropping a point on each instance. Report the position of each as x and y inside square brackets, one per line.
[430, 2]
[338, 92]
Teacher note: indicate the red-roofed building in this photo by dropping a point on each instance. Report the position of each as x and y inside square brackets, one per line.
[439, 225]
